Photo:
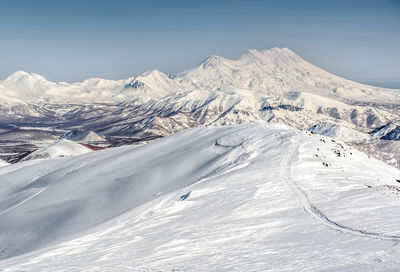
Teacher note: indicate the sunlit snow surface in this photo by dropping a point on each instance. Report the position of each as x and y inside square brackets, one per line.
[274, 85]
[62, 148]
[3, 163]
[253, 197]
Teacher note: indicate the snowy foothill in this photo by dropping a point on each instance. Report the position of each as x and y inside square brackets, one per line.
[61, 148]
[83, 136]
[250, 197]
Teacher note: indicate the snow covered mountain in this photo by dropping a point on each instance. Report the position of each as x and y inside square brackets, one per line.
[83, 136]
[390, 131]
[273, 85]
[62, 148]
[377, 143]
[252, 197]
[338, 132]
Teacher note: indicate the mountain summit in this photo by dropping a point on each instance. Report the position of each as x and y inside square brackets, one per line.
[270, 71]
[24, 80]
[274, 85]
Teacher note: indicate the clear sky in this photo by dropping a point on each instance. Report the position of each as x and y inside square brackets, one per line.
[73, 40]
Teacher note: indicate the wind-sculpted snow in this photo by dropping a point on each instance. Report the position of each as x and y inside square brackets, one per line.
[252, 197]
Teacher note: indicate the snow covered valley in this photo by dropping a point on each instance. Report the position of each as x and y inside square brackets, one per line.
[250, 197]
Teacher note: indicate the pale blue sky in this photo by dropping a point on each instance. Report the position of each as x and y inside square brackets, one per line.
[73, 40]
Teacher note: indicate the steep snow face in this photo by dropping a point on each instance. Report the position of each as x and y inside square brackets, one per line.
[390, 131]
[62, 148]
[83, 136]
[250, 197]
[383, 130]
[394, 134]
[339, 132]
[154, 84]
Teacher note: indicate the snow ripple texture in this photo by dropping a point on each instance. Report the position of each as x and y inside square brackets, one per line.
[251, 197]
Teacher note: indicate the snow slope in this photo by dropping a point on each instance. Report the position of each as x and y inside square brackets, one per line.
[252, 197]
[274, 85]
[394, 134]
[380, 143]
[61, 148]
[83, 136]
[3, 163]
[338, 132]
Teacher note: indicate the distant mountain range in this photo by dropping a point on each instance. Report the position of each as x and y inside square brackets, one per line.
[274, 85]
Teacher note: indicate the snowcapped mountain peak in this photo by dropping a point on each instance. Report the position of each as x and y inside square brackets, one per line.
[24, 83]
[279, 51]
[212, 73]
[214, 61]
[273, 72]
[21, 77]
[274, 57]
[152, 73]
[154, 83]
[276, 51]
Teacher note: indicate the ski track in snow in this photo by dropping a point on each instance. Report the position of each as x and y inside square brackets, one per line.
[34, 194]
[245, 213]
[311, 209]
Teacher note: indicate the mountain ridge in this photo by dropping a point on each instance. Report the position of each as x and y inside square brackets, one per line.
[279, 64]
[196, 200]
[273, 85]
